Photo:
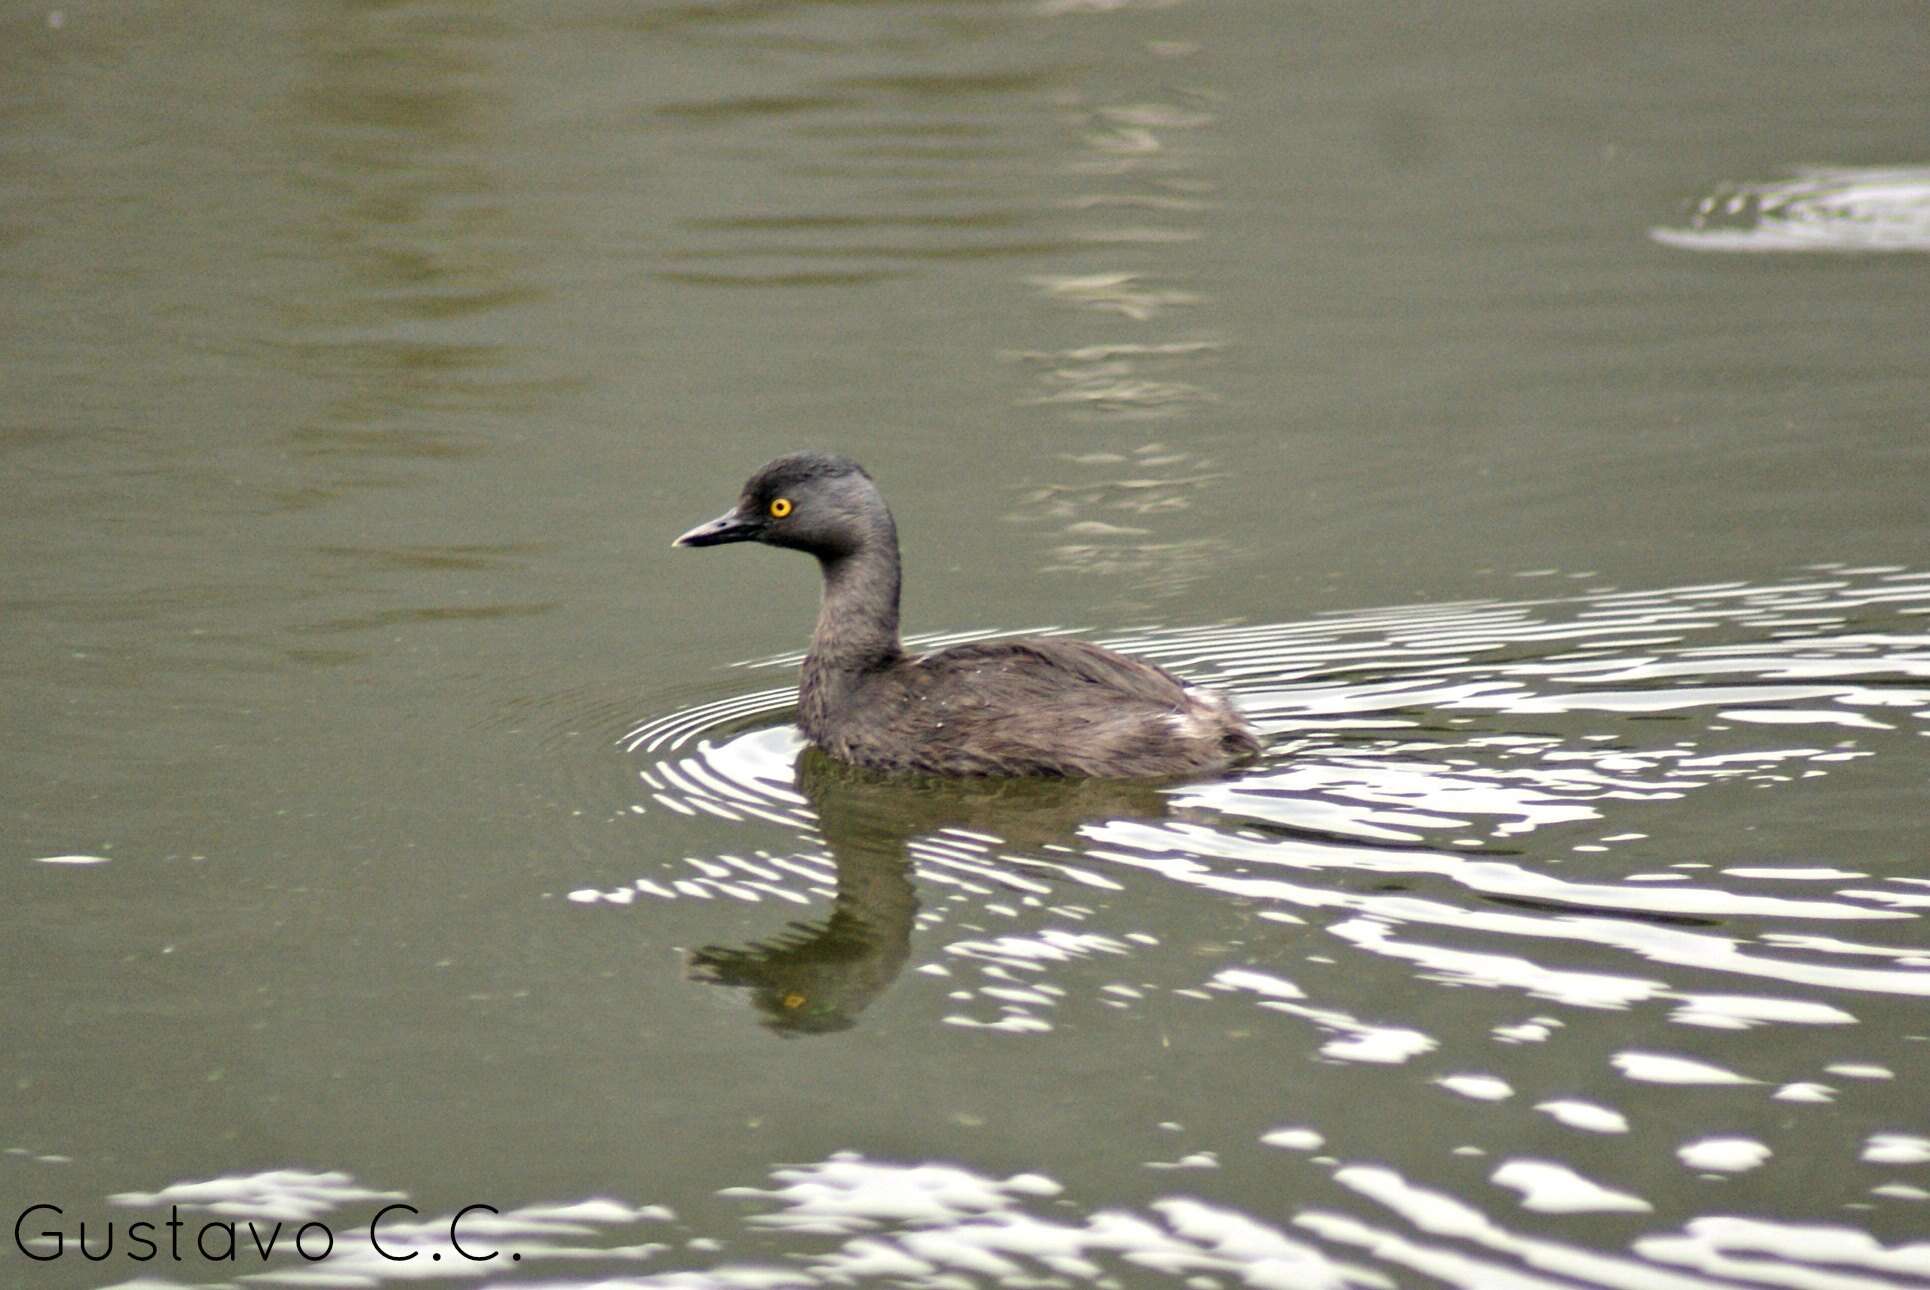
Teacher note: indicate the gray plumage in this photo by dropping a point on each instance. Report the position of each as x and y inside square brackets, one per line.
[1038, 706]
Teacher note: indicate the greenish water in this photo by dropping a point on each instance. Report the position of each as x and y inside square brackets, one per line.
[1519, 408]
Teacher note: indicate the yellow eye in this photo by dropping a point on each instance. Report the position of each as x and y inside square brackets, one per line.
[795, 1001]
[780, 507]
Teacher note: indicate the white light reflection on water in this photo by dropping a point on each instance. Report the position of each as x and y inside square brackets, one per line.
[849, 1220]
[1723, 1155]
[908, 1224]
[367, 1236]
[1481, 795]
[857, 1221]
[1842, 209]
[1556, 1189]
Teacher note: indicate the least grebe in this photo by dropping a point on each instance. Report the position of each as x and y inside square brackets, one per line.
[1042, 706]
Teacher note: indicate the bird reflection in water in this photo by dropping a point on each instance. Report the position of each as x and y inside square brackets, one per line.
[814, 978]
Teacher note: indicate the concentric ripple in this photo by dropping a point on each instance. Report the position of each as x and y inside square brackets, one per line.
[1414, 749]
[1557, 864]
[1539, 944]
[1464, 725]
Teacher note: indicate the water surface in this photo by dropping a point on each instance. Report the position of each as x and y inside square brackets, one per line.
[393, 818]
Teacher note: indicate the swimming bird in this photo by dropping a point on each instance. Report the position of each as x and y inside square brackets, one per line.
[1040, 706]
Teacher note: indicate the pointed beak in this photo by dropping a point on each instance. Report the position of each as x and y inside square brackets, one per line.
[729, 527]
